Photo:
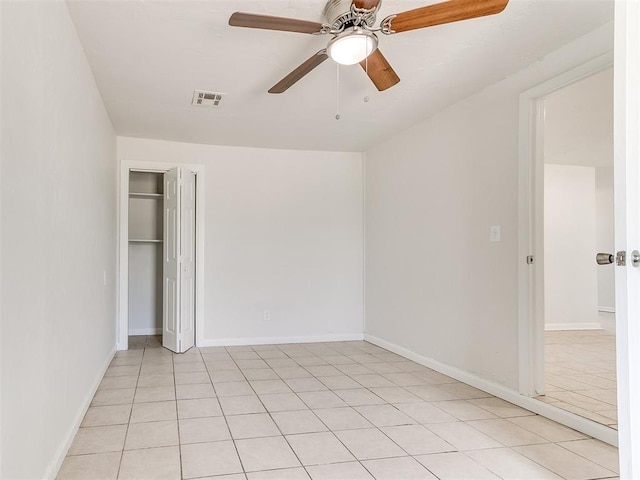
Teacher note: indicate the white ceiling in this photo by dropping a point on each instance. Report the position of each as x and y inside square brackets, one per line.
[578, 126]
[149, 56]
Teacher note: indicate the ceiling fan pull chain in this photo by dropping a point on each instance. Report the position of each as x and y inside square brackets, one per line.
[337, 91]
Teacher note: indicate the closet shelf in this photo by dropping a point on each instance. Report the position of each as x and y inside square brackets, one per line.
[140, 240]
[146, 195]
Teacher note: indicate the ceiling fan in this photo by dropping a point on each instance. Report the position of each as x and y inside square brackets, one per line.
[351, 23]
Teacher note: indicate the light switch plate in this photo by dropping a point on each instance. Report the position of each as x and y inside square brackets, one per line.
[495, 233]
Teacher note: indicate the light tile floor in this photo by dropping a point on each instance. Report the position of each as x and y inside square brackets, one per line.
[348, 410]
[581, 373]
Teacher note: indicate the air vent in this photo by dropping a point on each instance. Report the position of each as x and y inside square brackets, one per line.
[206, 99]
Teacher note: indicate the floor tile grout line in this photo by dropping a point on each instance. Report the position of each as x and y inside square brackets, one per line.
[510, 420]
[226, 422]
[175, 399]
[560, 444]
[126, 433]
[543, 466]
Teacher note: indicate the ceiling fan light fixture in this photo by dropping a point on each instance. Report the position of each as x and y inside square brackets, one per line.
[352, 47]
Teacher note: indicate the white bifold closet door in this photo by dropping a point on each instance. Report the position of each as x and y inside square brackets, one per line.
[178, 312]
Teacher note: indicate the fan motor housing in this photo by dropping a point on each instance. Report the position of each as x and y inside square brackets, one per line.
[339, 16]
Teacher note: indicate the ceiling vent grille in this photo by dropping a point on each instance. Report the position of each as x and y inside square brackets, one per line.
[206, 99]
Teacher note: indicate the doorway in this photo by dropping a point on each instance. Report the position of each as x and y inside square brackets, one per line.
[152, 248]
[578, 223]
[531, 246]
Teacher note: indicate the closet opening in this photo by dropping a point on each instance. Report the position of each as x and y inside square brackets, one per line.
[160, 251]
[146, 195]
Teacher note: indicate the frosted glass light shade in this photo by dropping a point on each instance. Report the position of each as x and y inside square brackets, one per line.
[350, 48]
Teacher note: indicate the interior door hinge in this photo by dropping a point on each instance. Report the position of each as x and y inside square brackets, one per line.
[530, 260]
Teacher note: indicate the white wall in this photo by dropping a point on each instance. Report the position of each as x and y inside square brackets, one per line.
[578, 122]
[604, 237]
[58, 197]
[283, 233]
[570, 270]
[435, 284]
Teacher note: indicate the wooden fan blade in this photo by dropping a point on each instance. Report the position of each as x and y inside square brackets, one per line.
[445, 12]
[366, 4]
[251, 20]
[299, 72]
[379, 71]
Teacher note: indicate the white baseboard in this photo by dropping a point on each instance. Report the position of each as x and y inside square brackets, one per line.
[145, 331]
[54, 466]
[607, 309]
[332, 337]
[549, 327]
[588, 427]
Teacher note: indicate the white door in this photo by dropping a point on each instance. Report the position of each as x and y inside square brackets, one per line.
[627, 217]
[178, 312]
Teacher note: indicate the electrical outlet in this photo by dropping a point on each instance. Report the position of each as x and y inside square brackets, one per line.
[266, 315]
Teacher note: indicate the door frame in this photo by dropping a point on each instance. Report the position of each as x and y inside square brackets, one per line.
[122, 324]
[530, 216]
